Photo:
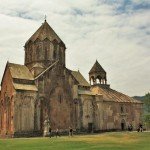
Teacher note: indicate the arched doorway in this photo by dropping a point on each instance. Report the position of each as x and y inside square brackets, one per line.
[123, 124]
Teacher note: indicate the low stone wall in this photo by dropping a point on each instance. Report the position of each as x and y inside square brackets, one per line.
[27, 134]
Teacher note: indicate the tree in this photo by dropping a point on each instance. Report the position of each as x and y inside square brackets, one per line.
[147, 102]
[146, 116]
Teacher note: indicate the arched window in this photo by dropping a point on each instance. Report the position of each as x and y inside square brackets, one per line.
[46, 56]
[60, 98]
[121, 109]
[92, 80]
[55, 51]
[38, 52]
[54, 54]
[2, 114]
[30, 53]
[51, 51]
[60, 55]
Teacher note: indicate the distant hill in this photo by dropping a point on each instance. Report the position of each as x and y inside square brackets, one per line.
[141, 98]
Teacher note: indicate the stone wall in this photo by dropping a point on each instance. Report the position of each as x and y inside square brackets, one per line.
[56, 98]
[24, 111]
[111, 115]
[86, 112]
[7, 104]
[107, 115]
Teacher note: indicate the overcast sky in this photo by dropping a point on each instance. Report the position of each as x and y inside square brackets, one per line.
[115, 32]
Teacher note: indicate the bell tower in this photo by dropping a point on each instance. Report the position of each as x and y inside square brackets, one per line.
[44, 48]
[97, 75]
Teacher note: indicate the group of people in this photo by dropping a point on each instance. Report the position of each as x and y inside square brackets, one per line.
[57, 133]
[139, 129]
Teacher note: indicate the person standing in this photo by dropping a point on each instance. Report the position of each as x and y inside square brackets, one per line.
[70, 132]
[141, 127]
[50, 132]
[57, 133]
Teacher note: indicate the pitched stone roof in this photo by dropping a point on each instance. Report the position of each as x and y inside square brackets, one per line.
[78, 76]
[113, 95]
[20, 72]
[97, 68]
[85, 92]
[45, 31]
[27, 87]
[38, 65]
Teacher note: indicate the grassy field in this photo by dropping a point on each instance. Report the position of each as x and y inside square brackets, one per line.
[105, 141]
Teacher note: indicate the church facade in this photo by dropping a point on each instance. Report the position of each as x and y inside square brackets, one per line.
[43, 93]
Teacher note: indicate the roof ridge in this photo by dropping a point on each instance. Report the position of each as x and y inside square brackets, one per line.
[16, 64]
[44, 31]
[80, 78]
[97, 68]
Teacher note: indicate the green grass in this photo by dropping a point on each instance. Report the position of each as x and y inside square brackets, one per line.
[105, 141]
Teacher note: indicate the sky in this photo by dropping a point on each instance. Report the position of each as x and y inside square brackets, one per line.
[115, 32]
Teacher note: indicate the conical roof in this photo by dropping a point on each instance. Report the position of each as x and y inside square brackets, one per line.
[44, 31]
[97, 68]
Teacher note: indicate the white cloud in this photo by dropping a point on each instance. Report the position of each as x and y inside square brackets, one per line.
[114, 32]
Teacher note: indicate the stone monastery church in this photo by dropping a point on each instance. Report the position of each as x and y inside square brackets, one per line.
[43, 93]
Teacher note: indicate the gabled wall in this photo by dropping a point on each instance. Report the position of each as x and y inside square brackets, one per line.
[7, 104]
[56, 98]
